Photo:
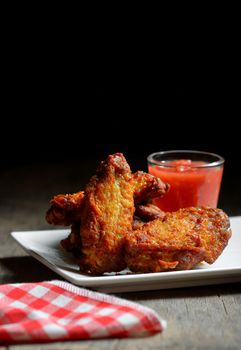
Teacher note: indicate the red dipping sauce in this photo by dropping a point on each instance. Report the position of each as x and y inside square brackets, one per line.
[193, 182]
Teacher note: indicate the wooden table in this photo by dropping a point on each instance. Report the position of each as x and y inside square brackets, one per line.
[206, 317]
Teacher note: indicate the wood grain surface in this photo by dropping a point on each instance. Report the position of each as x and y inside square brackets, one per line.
[207, 317]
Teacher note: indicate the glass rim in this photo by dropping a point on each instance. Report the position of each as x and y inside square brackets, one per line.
[220, 160]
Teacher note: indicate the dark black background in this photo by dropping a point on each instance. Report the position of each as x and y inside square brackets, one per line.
[64, 101]
[54, 113]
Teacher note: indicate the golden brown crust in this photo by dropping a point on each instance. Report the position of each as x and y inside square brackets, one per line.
[148, 186]
[65, 209]
[178, 242]
[107, 216]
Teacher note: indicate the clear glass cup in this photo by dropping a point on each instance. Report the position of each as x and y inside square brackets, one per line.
[194, 177]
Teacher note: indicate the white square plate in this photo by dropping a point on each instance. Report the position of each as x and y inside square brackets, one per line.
[44, 246]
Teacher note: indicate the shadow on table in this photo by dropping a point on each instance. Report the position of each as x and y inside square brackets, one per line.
[187, 292]
[24, 269]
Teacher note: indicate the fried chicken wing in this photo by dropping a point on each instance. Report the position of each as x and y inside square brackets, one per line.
[148, 186]
[179, 241]
[114, 225]
[65, 209]
[107, 216]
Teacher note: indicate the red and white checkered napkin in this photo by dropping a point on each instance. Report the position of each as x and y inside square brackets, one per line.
[56, 310]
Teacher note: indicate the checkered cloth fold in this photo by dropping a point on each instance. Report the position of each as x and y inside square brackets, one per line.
[57, 310]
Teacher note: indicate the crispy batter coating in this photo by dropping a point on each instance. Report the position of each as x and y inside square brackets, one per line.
[179, 241]
[107, 216]
[65, 209]
[148, 186]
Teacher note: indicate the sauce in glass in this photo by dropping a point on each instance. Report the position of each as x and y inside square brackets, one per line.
[192, 183]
